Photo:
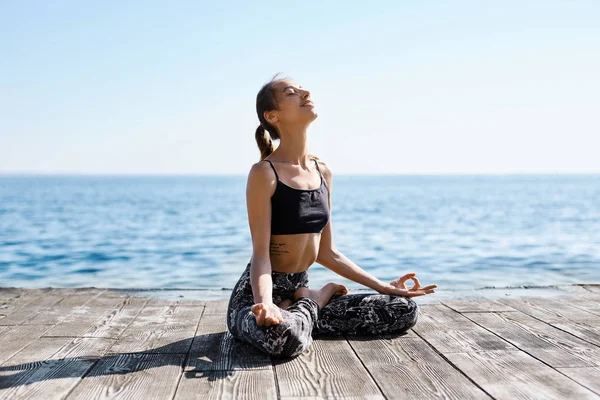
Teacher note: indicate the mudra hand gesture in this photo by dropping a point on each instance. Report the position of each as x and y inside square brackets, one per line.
[266, 314]
[398, 287]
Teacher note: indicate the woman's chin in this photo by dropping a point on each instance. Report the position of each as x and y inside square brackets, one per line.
[309, 117]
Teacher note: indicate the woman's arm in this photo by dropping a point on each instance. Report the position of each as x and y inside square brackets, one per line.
[338, 263]
[330, 257]
[262, 283]
[259, 188]
[341, 265]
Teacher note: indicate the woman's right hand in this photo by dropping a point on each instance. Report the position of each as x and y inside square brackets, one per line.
[266, 314]
[398, 287]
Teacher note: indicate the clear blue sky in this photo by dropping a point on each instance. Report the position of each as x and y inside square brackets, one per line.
[403, 87]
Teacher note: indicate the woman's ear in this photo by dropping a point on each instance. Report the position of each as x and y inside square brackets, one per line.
[271, 117]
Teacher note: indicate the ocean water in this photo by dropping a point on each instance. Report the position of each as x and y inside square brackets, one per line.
[191, 232]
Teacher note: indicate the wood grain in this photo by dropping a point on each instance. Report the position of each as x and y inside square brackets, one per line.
[96, 343]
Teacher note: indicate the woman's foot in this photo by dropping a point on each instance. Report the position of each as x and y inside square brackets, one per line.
[323, 295]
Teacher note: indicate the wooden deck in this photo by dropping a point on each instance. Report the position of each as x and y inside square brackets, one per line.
[97, 343]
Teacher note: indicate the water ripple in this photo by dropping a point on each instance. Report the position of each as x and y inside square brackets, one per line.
[192, 232]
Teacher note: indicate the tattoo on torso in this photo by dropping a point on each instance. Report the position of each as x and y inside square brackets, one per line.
[277, 249]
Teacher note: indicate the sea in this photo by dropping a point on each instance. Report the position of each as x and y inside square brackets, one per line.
[191, 232]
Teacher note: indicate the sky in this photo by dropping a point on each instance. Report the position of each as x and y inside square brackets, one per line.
[400, 87]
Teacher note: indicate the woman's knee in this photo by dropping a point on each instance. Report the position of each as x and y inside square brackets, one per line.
[286, 340]
[279, 340]
[414, 312]
[406, 310]
[411, 313]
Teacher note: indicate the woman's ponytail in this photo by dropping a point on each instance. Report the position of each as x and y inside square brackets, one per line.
[264, 142]
[266, 100]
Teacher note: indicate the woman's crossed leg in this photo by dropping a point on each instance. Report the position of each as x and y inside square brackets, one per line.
[288, 338]
[366, 314]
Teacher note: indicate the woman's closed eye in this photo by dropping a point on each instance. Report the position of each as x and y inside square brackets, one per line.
[293, 91]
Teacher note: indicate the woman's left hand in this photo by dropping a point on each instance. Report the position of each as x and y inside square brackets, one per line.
[398, 287]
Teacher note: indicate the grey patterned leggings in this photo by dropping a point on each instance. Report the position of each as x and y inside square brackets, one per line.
[349, 314]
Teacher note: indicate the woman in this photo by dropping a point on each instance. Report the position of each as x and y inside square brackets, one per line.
[288, 197]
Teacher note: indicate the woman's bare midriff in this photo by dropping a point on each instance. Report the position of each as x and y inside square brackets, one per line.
[293, 253]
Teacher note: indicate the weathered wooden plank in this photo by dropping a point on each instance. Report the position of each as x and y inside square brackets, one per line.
[329, 368]
[92, 291]
[10, 297]
[132, 375]
[592, 288]
[514, 374]
[238, 384]
[212, 323]
[451, 332]
[216, 307]
[329, 398]
[9, 293]
[38, 350]
[193, 302]
[561, 332]
[551, 309]
[98, 320]
[156, 301]
[579, 291]
[75, 304]
[18, 337]
[51, 377]
[214, 348]
[586, 376]
[50, 308]
[5, 329]
[570, 289]
[36, 299]
[407, 368]
[479, 305]
[61, 348]
[167, 329]
[541, 340]
[221, 351]
[15, 298]
[561, 314]
[29, 306]
[586, 300]
[73, 307]
[585, 330]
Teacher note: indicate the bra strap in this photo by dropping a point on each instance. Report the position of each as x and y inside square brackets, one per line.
[318, 169]
[274, 170]
[317, 164]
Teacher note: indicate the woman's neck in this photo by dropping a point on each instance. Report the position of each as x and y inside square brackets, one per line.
[293, 147]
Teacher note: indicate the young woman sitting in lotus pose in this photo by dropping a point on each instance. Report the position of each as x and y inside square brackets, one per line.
[288, 197]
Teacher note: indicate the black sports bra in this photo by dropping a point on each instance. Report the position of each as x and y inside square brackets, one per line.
[296, 211]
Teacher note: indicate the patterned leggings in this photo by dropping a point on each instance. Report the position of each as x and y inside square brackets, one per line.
[349, 314]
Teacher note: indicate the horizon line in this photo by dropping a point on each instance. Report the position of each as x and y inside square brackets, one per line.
[200, 174]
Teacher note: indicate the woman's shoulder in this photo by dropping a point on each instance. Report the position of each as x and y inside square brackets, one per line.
[318, 160]
[261, 174]
[322, 165]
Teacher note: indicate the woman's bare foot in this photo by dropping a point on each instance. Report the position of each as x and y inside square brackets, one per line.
[322, 295]
[285, 304]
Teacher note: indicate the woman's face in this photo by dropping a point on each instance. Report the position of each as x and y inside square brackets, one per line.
[295, 103]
